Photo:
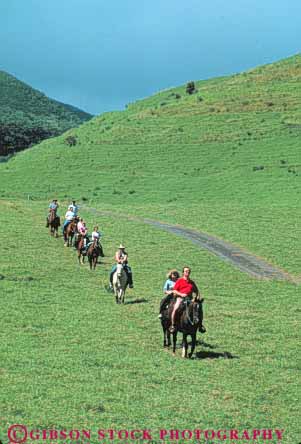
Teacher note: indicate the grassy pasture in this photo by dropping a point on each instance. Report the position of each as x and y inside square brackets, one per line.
[225, 160]
[70, 356]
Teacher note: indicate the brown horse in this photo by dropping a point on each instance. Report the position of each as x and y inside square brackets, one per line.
[69, 233]
[81, 249]
[189, 319]
[94, 250]
[54, 223]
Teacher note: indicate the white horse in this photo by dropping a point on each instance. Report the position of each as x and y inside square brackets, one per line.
[120, 281]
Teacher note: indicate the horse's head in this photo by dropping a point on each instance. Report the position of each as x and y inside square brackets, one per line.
[52, 216]
[197, 311]
[73, 225]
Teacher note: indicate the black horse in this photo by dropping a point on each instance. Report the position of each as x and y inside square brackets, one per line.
[189, 319]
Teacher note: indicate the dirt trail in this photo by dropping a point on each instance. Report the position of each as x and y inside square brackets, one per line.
[245, 261]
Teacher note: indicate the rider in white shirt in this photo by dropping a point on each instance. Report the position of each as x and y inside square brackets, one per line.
[68, 217]
[96, 235]
[74, 207]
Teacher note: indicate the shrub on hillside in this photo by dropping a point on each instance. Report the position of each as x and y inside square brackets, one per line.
[71, 140]
[190, 88]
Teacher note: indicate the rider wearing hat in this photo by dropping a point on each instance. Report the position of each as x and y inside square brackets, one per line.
[121, 257]
[53, 206]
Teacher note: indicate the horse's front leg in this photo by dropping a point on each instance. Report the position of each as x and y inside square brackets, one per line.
[184, 346]
[116, 294]
[164, 336]
[193, 342]
[174, 342]
[168, 338]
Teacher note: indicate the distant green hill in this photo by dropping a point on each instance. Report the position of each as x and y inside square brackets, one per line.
[225, 159]
[27, 116]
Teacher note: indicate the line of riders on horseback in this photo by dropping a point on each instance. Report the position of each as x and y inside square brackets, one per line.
[181, 307]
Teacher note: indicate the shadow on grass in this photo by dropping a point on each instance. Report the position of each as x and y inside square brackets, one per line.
[206, 354]
[206, 344]
[17, 278]
[214, 355]
[136, 301]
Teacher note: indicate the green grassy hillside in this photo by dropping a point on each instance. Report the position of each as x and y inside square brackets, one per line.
[27, 116]
[225, 160]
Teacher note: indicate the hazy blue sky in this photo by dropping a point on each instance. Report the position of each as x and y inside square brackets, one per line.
[100, 55]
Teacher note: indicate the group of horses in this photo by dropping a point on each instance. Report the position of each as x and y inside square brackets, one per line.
[189, 316]
[73, 238]
[94, 250]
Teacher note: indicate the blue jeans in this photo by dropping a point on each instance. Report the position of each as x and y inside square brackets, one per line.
[65, 225]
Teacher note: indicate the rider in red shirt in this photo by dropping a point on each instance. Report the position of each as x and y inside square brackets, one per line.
[184, 287]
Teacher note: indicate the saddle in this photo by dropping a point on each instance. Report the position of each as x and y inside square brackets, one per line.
[183, 306]
[53, 217]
